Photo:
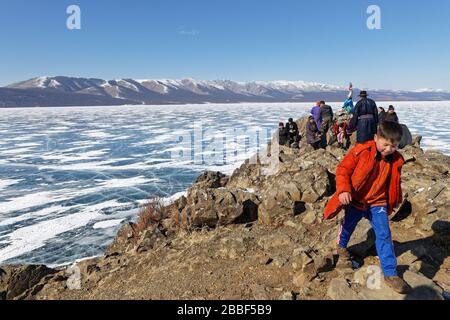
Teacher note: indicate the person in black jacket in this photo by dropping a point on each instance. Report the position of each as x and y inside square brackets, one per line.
[365, 119]
[313, 136]
[292, 129]
[391, 115]
[326, 114]
[283, 134]
[381, 114]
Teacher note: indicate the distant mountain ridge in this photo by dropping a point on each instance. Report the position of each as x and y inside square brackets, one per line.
[70, 91]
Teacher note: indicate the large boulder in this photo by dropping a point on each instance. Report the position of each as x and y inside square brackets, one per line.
[435, 162]
[21, 281]
[279, 198]
[321, 157]
[213, 207]
[362, 240]
[247, 176]
[407, 138]
[211, 179]
[289, 191]
[150, 239]
[200, 209]
[340, 289]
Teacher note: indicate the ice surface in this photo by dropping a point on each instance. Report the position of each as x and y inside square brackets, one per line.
[29, 238]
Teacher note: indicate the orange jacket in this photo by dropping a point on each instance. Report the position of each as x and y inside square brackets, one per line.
[355, 169]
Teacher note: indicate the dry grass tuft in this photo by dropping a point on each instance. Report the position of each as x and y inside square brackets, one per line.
[151, 214]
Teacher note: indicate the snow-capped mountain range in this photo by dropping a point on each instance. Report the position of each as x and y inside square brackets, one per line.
[70, 91]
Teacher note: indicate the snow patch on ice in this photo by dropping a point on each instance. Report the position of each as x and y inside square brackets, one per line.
[107, 224]
[31, 215]
[4, 183]
[98, 134]
[29, 201]
[32, 237]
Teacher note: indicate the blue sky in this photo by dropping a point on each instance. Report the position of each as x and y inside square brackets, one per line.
[325, 41]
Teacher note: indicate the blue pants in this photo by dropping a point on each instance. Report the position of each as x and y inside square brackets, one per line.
[379, 220]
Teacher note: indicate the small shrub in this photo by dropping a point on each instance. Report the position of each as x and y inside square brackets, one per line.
[151, 214]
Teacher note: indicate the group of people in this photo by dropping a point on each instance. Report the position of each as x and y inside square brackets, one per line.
[367, 179]
[390, 115]
[362, 118]
[289, 134]
[319, 123]
[322, 120]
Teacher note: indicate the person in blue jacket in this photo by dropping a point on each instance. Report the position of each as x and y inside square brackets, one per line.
[348, 104]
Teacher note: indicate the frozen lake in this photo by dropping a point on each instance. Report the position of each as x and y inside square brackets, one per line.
[70, 176]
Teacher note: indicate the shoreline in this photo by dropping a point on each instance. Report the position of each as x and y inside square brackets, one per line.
[212, 104]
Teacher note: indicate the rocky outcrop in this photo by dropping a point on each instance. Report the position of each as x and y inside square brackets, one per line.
[21, 282]
[260, 234]
[220, 206]
[210, 179]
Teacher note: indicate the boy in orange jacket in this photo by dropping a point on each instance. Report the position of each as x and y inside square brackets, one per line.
[368, 184]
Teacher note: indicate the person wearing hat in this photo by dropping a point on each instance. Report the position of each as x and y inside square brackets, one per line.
[391, 115]
[282, 134]
[365, 119]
